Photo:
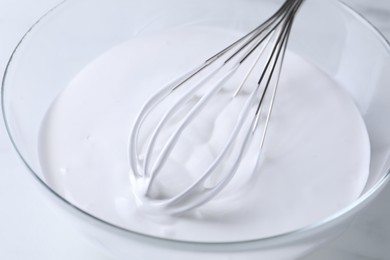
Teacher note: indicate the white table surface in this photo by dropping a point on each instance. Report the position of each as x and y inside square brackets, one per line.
[29, 229]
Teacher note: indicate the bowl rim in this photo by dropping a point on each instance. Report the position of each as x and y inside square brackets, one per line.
[270, 240]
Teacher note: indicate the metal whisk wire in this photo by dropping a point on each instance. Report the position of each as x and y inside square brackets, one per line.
[273, 36]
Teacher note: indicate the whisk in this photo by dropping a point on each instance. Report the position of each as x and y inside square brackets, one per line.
[191, 93]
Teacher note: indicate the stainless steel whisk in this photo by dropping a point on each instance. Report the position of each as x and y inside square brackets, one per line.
[264, 47]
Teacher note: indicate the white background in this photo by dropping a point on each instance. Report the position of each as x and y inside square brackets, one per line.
[29, 230]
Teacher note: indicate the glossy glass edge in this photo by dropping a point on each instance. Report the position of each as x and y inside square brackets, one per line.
[275, 238]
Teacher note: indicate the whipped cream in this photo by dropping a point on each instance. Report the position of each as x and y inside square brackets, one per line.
[315, 158]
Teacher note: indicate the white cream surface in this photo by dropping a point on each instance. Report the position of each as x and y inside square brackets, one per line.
[316, 155]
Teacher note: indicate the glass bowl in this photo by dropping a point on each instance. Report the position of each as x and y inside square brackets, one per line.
[328, 33]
